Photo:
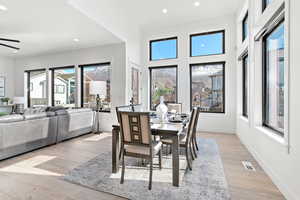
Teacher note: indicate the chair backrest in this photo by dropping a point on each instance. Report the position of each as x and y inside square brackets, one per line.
[175, 106]
[135, 128]
[191, 124]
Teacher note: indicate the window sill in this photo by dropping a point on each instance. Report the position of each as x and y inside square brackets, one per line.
[272, 134]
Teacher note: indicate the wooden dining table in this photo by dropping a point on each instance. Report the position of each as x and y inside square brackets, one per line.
[166, 130]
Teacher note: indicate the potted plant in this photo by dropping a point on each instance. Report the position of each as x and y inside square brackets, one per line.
[5, 100]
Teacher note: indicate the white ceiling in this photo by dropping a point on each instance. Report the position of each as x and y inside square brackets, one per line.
[148, 13]
[48, 26]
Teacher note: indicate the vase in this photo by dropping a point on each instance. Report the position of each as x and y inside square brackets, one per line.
[162, 110]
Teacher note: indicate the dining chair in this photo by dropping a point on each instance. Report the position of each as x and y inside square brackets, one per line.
[137, 140]
[175, 106]
[194, 137]
[186, 138]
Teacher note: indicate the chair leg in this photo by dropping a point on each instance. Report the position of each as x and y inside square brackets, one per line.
[196, 144]
[123, 168]
[187, 158]
[192, 153]
[194, 150]
[159, 158]
[150, 176]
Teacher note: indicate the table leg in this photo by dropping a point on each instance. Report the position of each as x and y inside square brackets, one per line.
[175, 160]
[115, 149]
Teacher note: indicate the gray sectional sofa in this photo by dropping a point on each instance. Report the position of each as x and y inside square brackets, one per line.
[24, 133]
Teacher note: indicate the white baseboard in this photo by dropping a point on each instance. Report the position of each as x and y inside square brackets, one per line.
[274, 177]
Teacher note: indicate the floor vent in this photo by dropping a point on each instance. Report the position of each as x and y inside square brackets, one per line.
[248, 166]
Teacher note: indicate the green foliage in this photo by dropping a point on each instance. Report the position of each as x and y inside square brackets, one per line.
[5, 99]
[161, 91]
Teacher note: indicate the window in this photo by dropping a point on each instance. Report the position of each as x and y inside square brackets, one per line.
[273, 79]
[135, 85]
[163, 82]
[63, 86]
[37, 88]
[245, 27]
[266, 3]
[59, 89]
[95, 80]
[207, 87]
[245, 86]
[163, 49]
[205, 44]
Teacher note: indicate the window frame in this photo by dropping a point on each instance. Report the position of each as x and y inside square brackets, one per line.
[28, 84]
[52, 80]
[150, 76]
[264, 79]
[244, 37]
[245, 95]
[159, 40]
[224, 87]
[209, 33]
[264, 5]
[82, 66]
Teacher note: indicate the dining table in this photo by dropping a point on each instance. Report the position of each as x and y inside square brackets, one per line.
[165, 129]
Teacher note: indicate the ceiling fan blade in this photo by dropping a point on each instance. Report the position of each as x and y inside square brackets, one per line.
[12, 47]
[9, 40]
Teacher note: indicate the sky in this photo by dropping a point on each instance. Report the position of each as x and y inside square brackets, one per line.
[201, 45]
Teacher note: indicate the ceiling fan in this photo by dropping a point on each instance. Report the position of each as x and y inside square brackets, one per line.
[7, 45]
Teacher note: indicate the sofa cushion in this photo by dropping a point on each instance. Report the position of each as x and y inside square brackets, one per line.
[72, 111]
[11, 118]
[35, 116]
[55, 108]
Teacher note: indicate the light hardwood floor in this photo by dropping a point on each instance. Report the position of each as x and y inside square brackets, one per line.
[38, 175]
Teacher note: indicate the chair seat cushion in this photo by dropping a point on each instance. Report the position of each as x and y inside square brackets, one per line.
[143, 150]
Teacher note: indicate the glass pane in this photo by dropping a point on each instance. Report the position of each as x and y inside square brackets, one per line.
[163, 49]
[64, 87]
[245, 27]
[37, 88]
[245, 86]
[163, 83]
[96, 81]
[266, 3]
[274, 79]
[207, 44]
[207, 87]
[135, 85]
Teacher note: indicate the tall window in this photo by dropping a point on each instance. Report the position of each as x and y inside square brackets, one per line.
[245, 27]
[204, 44]
[273, 79]
[63, 86]
[135, 85]
[266, 3]
[245, 86]
[163, 49]
[95, 80]
[37, 88]
[163, 82]
[207, 87]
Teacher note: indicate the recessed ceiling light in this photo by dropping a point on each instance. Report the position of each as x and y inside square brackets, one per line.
[3, 8]
[76, 40]
[196, 4]
[164, 10]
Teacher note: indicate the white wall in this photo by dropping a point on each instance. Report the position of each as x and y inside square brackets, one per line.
[115, 54]
[208, 121]
[279, 156]
[7, 70]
